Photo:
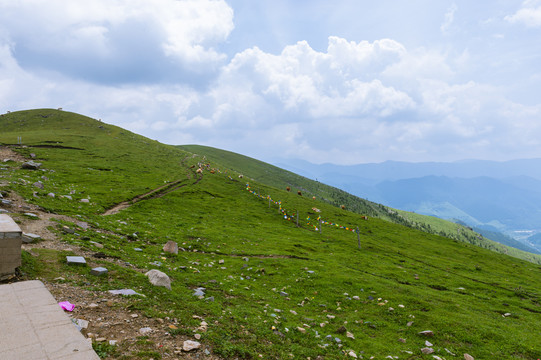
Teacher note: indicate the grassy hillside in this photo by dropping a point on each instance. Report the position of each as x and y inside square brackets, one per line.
[273, 176]
[274, 290]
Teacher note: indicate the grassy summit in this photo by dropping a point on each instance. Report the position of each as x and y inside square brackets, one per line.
[273, 289]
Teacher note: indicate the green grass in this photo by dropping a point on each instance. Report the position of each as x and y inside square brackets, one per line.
[458, 290]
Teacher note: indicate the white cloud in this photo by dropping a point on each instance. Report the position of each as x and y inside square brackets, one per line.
[107, 35]
[449, 18]
[529, 14]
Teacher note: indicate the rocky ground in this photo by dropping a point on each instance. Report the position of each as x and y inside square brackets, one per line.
[106, 318]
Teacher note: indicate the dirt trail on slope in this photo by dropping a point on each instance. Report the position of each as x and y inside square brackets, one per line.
[158, 192]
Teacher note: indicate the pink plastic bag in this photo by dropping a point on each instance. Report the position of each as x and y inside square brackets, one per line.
[66, 305]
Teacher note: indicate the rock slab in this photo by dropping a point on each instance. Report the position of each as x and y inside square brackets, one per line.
[75, 260]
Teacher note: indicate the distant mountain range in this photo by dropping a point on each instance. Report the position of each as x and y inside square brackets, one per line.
[502, 197]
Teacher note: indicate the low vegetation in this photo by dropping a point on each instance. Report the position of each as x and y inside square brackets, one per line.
[273, 289]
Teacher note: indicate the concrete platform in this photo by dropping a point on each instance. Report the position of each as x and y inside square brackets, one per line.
[34, 327]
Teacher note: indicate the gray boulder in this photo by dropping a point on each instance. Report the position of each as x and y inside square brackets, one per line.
[158, 278]
[31, 165]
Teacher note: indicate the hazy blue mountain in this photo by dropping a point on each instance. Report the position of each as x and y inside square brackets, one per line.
[495, 196]
[395, 170]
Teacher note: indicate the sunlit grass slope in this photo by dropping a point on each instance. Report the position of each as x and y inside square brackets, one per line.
[273, 176]
[282, 291]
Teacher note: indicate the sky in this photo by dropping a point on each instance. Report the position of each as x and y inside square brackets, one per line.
[344, 82]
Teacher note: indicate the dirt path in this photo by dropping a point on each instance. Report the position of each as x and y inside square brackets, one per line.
[158, 192]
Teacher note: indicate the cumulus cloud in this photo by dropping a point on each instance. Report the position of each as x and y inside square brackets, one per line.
[529, 14]
[354, 101]
[118, 39]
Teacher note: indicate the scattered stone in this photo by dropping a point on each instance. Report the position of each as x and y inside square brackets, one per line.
[51, 195]
[341, 330]
[352, 354]
[38, 184]
[338, 341]
[221, 261]
[356, 297]
[83, 225]
[283, 293]
[31, 165]
[190, 345]
[113, 342]
[300, 329]
[409, 323]
[126, 292]
[31, 215]
[350, 335]
[68, 197]
[200, 291]
[75, 260]
[402, 340]
[171, 247]
[68, 230]
[96, 244]
[101, 339]
[197, 336]
[98, 271]
[203, 326]
[158, 278]
[427, 350]
[145, 330]
[468, 357]
[30, 238]
[428, 343]
[427, 333]
[448, 351]
[85, 200]
[81, 324]
[506, 314]
[138, 249]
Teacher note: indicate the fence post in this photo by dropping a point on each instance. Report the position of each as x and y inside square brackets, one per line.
[319, 225]
[358, 238]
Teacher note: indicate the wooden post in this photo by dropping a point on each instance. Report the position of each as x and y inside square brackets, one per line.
[320, 225]
[358, 238]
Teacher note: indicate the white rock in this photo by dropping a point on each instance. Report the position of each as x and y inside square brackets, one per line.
[190, 345]
[145, 330]
[158, 278]
[428, 343]
[468, 357]
[427, 350]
